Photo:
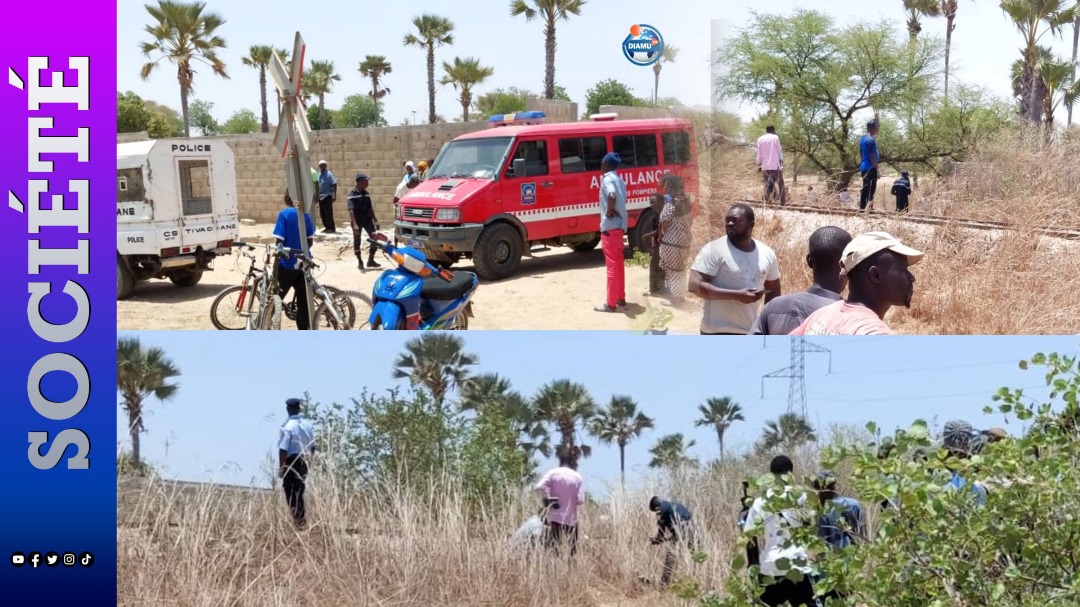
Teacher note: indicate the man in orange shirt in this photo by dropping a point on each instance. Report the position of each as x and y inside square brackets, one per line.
[876, 264]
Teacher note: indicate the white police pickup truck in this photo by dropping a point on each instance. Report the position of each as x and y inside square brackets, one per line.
[176, 210]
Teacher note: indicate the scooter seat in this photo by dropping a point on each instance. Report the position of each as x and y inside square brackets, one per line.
[438, 289]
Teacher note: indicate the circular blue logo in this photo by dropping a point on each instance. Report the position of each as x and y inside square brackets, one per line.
[644, 45]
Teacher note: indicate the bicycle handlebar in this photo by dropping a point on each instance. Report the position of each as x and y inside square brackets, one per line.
[287, 252]
[240, 243]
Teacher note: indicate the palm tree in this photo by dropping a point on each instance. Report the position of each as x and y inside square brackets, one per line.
[720, 413]
[375, 67]
[620, 423]
[141, 373]
[565, 404]
[433, 31]
[1054, 85]
[550, 11]
[1033, 19]
[667, 56]
[670, 452]
[916, 10]
[183, 35]
[259, 57]
[1056, 77]
[436, 362]
[789, 431]
[463, 75]
[948, 10]
[1076, 49]
[487, 391]
[320, 81]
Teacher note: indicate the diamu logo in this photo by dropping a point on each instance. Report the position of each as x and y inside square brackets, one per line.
[644, 45]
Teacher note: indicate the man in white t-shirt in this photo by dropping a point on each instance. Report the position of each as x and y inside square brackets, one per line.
[732, 274]
[774, 530]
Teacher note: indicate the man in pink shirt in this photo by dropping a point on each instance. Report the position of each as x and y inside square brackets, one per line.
[565, 485]
[770, 161]
[876, 264]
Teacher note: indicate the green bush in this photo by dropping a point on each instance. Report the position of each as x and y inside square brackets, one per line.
[939, 547]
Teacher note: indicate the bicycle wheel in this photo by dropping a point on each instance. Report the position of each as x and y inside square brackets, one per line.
[344, 300]
[226, 312]
[325, 319]
[270, 315]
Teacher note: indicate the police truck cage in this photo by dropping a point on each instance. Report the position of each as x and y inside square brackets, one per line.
[519, 118]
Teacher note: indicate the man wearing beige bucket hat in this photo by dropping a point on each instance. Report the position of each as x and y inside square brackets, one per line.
[876, 264]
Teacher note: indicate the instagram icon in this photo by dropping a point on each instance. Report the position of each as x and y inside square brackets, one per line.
[69, 559]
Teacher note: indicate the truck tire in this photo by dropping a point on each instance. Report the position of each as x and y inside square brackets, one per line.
[498, 251]
[585, 247]
[125, 282]
[644, 225]
[186, 278]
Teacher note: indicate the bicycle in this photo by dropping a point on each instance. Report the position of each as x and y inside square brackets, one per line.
[344, 299]
[334, 307]
[251, 290]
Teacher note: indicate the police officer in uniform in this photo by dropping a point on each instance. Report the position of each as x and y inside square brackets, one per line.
[362, 215]
[296, 440]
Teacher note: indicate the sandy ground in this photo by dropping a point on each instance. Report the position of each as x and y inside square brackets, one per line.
[554, 290]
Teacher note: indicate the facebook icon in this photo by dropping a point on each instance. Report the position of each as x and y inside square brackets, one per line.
[35, 559]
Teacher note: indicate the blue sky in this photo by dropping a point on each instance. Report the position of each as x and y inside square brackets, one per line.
[985, 44]
[222, 424]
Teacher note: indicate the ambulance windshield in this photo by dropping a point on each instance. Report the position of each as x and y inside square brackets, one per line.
[479, 158]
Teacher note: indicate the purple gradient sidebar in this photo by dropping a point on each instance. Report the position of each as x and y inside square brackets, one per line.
[58, 434]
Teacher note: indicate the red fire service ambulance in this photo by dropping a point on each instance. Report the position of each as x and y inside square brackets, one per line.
[492, 195]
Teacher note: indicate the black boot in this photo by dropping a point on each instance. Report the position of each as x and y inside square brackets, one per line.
[371, 263]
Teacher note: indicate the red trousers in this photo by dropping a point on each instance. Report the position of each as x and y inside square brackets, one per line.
[612, 243]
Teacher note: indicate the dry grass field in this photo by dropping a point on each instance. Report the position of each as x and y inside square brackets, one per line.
[201, 545]
[971, 281]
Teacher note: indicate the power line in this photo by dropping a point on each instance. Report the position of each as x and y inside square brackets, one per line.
[986, 393]
[796, 373]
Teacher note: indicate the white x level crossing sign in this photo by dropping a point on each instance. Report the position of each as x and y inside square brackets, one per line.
[293, 136]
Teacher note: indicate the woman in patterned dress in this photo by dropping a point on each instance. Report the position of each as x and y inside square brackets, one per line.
[675, 238]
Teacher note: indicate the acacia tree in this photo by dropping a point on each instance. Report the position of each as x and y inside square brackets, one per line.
[816, 78]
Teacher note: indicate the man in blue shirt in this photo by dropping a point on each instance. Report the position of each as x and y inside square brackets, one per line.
[613, 223]
[327, 196]
[868, 168]
[841, 522]
[901, 188]
[961, 441]
[287, 233]
[673, 527]
[296, 440]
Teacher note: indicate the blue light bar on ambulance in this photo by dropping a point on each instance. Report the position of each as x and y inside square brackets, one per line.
[533, 117]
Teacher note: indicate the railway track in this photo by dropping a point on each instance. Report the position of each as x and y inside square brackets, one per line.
[936, 220]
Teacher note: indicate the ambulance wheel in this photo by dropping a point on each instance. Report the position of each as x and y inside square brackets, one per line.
[498, 251]
[585, 247]
[125, 282]
[186, 278]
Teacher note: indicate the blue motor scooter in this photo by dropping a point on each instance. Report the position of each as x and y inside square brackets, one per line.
[415, 295]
